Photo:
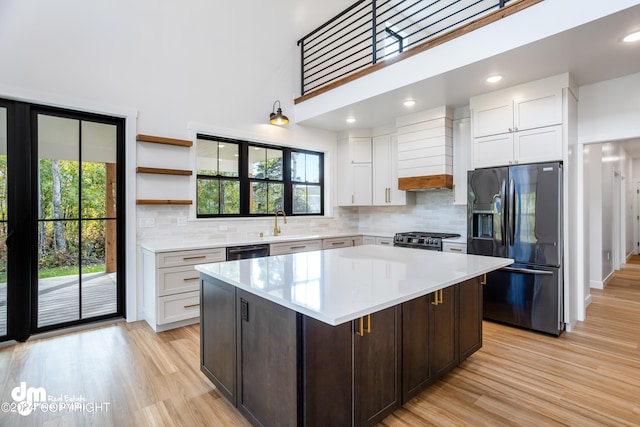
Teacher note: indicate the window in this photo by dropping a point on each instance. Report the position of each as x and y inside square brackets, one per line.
[242, 178]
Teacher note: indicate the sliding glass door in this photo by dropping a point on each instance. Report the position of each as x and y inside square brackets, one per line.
[65, 261]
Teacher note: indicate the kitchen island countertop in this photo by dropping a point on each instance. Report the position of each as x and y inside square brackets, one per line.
[340, 285]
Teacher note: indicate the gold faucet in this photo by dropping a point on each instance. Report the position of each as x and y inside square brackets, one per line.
[276, 229]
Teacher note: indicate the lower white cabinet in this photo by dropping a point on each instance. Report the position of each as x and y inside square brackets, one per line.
[455, 247]
[341, 242]
[171, 296]
[377, 240]
[294, 247]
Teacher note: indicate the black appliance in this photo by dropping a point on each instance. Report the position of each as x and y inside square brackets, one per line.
[247, 252]
[516, 212]
[422, 240]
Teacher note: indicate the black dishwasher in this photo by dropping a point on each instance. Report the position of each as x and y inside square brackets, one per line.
[246, 252]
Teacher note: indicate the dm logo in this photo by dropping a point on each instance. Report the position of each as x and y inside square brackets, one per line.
[26, 397]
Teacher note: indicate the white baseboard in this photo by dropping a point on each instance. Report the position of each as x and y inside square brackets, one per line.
[596, 284]
[587, 301]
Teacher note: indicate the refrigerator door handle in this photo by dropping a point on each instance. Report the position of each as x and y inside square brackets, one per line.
[527, 271]
[512, 211]
[503, 213]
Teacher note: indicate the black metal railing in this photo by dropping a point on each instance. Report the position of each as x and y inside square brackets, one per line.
[370, 31]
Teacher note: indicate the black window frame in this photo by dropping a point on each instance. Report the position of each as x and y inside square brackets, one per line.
[245, 180]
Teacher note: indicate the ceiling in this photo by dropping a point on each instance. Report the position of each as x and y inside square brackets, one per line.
[591, 53]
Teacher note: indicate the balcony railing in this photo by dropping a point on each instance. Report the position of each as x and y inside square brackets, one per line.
[372, 31]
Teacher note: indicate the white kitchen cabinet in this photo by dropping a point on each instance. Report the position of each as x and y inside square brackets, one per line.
[530, 146]
[454, 247]
[384, 241]
[295, 247]
[171, 286]
[341, 242]
[355, 172]
[522, 124]
[368, 240]
[504, 112]
[461, 159]
[385, 173]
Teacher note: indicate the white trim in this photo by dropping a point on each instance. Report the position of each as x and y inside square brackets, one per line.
[587, 301]
[596, 284]
[130, 115]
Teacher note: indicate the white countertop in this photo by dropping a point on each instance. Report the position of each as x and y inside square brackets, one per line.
[168, 246]
[339, 285]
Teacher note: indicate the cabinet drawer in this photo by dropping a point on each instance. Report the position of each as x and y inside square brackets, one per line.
[175, 280]
[174, 308]
[339, 242]
[458, 248]
[293, 247]
[198, 256]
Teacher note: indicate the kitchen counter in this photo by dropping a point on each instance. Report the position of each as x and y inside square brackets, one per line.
[170, 246]
[340, 285]
[345, 336]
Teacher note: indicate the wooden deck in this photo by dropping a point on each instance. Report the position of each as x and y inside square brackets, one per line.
[58, 299]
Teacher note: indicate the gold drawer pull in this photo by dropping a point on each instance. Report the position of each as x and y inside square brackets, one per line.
[299, 247]
[191, 305]
[385, 243]
[338, 243]
[484, 279]
[368, 328]
[194, 257]
[438, 297]
[186, 279]
[455, 249]
[360, 330]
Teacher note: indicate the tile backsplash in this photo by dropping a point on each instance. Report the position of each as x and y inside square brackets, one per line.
[434, 211]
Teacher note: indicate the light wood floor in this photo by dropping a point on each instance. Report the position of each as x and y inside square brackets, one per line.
[588, 377]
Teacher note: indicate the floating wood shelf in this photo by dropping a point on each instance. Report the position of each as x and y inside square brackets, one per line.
[163, 202]
[161, 171]
[162, 140]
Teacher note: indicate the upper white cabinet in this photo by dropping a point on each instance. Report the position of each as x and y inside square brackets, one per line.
[502, 113]
[355, 172]
[522, 124]
[461, 158]
[385, 173]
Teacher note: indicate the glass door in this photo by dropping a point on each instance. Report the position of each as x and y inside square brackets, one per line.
[77, 220]
[4, 221]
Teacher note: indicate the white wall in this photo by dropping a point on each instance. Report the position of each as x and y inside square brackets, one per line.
[610, 110]
[164, 65]
[601, 162]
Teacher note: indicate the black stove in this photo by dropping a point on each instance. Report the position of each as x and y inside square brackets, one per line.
[422, 240]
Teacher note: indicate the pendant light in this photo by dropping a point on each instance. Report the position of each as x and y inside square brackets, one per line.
[276, 117]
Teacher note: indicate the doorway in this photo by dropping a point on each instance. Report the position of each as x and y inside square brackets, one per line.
[61, 184]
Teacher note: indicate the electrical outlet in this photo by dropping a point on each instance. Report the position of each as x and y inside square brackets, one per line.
[146, 222]
[182, 221]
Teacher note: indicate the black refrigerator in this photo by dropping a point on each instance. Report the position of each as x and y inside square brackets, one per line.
[516, 212]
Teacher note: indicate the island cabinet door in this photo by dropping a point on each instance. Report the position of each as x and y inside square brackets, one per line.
[376, 362]
[267, 361]
[218, 335]
[416, 368]
[470, 309]
[327, 373]
[444, 331]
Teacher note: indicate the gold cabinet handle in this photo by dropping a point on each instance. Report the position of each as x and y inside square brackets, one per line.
[186, 279]
[385, 243]
[298, 247]
[360, 330]
[352, 199]
[191, 305]
[438, 297]
[338, 243]
[484, 279]
[193, 257]
[455, 249]
[368, 328]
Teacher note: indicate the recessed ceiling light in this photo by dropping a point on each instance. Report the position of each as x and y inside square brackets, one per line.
[494, 79]
[351, 119]
[409, 103]
[633, 37]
